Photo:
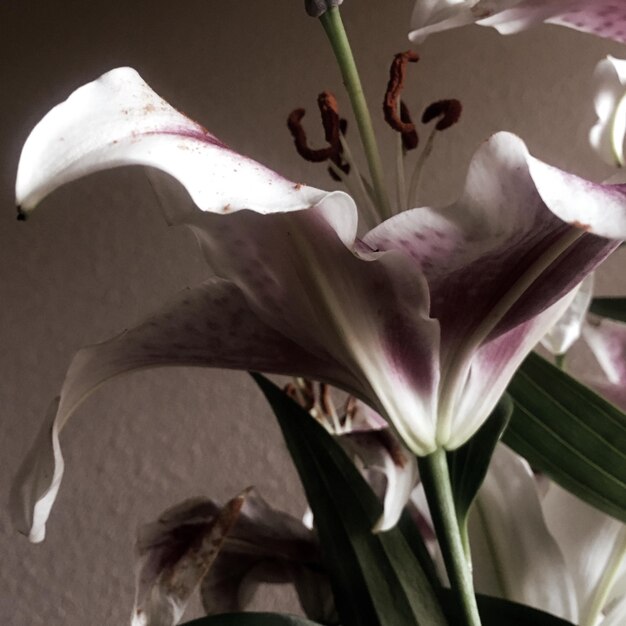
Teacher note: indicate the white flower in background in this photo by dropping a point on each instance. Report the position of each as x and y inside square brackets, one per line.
[547, 548]
[425, 318]
[389, 468]
[606, 18]
[560, 338]
[607, 135]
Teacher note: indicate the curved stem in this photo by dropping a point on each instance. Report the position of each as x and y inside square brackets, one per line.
[333, 25]
[436, 479]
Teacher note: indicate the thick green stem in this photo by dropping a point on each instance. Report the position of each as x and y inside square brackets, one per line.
[436, 480]
[333, 25]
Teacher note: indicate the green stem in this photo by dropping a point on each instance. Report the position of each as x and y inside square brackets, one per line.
[333, 25]
[436, 480]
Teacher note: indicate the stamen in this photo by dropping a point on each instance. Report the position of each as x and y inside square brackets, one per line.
[294, 123]
[410, 139]
[391, 106]
[22, 216]
[329, 110]
[448, 110]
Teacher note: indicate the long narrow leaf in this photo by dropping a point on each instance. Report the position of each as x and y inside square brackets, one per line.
[251, 619]
[376, 578]
[469, 463]
[570, 433]
[498, 612]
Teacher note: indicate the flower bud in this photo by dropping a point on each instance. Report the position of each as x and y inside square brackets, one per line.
[316, 8]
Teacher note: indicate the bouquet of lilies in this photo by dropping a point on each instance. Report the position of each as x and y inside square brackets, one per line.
[453, 476]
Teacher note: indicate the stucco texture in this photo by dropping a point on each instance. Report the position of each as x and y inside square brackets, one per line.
[97, 255]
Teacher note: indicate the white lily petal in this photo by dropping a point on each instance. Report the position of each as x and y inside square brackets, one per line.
[513, 553]
[607, 134]
[37, 483]
[606, 18]
[118, 120]
[562, 336]
[616, 614]
[607, 340]
[209, 326]
[593, 544]
[379, 452]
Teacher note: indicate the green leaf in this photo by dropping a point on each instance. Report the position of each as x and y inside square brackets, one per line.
[498, 612]
[376, 578]
[615, 308]
[570, 433]
[251, 619]
[468, 464]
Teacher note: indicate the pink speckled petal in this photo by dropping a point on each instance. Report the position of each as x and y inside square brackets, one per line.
[118, 120]
[367, 312]
[607, 340]
[501, 255]
[513, 208]
[209, 326]
[513, 554]
[491, 368]
[605, 18]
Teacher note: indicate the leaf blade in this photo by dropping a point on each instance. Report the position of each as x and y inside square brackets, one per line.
[375, 577]
[570, 433]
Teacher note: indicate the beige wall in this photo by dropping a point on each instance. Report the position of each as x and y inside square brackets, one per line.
[97, 256]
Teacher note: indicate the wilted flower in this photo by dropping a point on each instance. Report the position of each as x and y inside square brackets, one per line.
[227, 552]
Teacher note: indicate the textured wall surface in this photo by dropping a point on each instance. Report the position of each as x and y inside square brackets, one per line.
[97, 255]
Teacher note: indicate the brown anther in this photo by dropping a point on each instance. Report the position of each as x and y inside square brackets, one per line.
[394, 88]
[294, 123]
[448, 110]
[22, 216]
[410, 139]
[329, 111]
[333, 126]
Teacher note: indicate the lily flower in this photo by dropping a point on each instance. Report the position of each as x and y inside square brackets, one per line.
[425, 318]
[606, 18]
[546, 548]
